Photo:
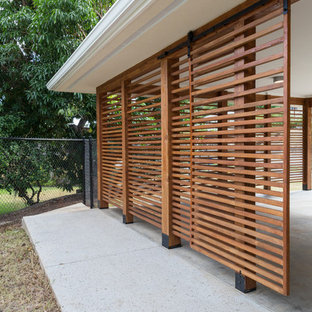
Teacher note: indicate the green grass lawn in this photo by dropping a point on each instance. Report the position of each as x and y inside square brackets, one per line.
[10, 202]
[296, 186]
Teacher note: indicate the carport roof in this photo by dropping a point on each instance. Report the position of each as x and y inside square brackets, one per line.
[133, 30]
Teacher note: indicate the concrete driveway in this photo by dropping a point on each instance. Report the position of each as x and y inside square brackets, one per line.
[96, 263]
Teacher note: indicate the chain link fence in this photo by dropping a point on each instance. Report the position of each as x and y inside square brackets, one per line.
[35, 170]
[90, 169]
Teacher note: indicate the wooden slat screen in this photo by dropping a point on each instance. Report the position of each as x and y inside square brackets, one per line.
[296, 147]
[226, 144]
[144, 147]
[229, 157]
[296, 143]
[180, 149]
[111, 147]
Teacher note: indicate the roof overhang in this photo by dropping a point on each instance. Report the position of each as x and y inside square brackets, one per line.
[130, 32]
[134, 30]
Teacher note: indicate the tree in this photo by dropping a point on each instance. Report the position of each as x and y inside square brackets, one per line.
[22, 171]
[36, 38]
[27, 166]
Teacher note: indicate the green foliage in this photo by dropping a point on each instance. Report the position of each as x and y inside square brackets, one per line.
[22, 170]
[36, 38]
[65, 164]
[27, 166]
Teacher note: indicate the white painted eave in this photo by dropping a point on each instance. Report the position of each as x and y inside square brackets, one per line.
[110, 25]
[134, 30]
[131, 31]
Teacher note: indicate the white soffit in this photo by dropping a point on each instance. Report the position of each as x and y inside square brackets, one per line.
[130, 32]
[301, 49]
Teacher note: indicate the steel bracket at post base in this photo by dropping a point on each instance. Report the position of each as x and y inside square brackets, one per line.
[124, 220]
[241, 283]
[166, 242]
[305, 187]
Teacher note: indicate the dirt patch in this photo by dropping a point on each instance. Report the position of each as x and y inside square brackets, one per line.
[16, 216]
[23, 284]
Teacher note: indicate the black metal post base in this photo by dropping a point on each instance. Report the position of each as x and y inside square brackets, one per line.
[305, 187]
[124, 220]
[166, 243]
[241, 283]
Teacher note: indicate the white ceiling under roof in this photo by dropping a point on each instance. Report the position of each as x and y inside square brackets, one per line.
[301, 49]
[133, 30]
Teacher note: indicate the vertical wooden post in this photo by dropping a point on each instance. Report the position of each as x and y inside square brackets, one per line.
[286, 148]
[222, 104]
[127, 217]
[267, 143]
[307, 145]
[191, 137]
[169, 240]
[242, 282]
[101, 203]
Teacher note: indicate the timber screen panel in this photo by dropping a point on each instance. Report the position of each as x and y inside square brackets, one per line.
[296, 147]
[111, 147]
[296, 143]
[232, 145]
[144, 146]
[180, 149]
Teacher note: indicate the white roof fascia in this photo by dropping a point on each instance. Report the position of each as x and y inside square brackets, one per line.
[131, 31]
[116, 19]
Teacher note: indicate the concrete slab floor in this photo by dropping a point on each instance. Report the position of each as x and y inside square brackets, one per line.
[96, 263]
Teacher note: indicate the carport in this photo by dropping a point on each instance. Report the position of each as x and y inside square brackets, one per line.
[202, 135]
